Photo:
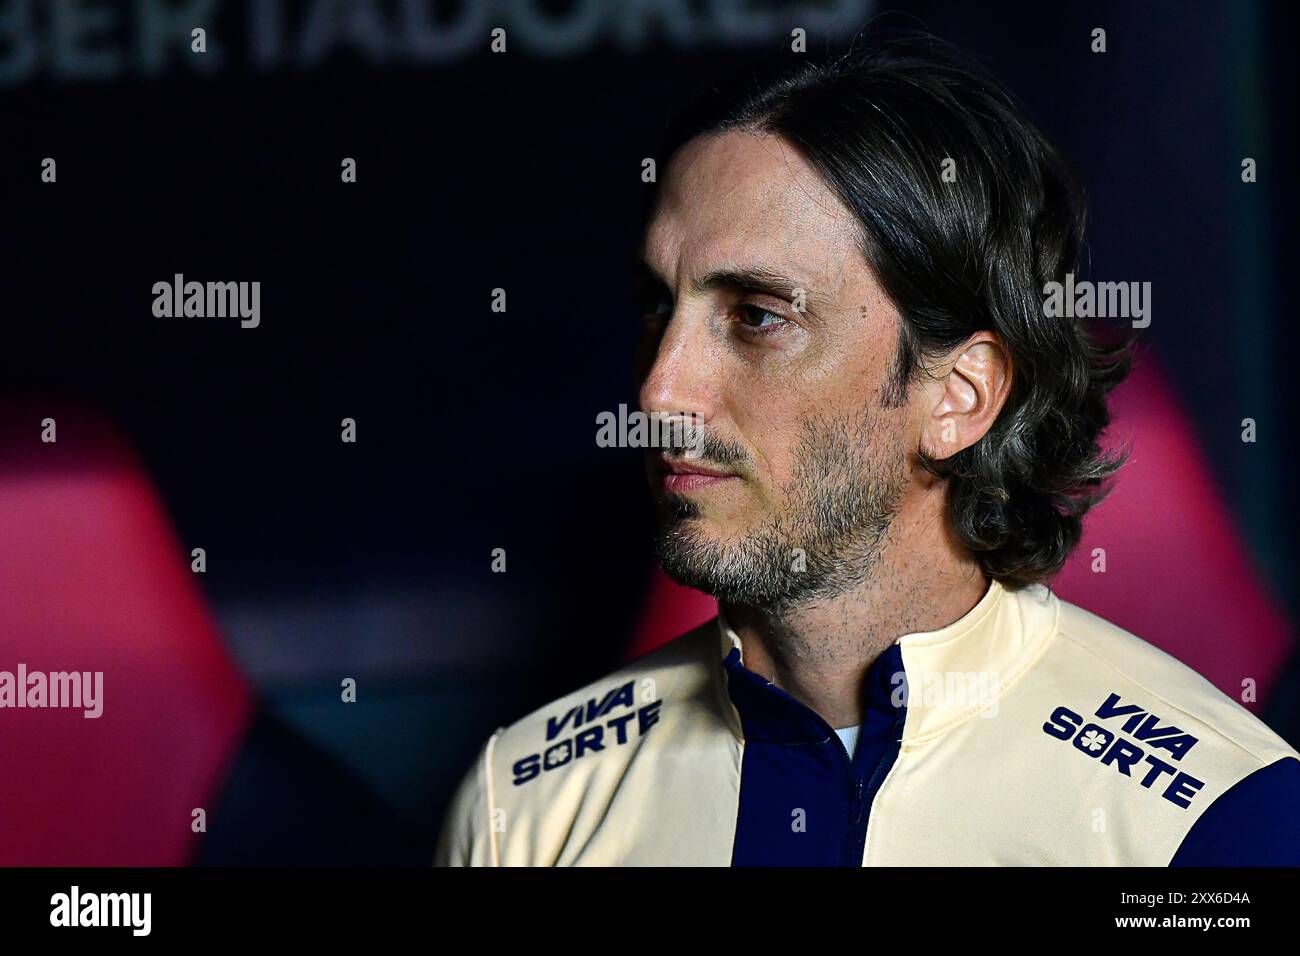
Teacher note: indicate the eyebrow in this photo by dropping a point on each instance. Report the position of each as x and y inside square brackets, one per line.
[749, 279]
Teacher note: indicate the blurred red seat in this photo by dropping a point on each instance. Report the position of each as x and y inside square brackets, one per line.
[94, 579]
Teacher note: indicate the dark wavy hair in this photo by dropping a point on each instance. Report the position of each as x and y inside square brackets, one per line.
[956, 258]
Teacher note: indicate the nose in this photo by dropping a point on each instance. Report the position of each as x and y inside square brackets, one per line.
[680, 379]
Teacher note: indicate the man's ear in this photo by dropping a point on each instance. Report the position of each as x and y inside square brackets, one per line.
[965, 395]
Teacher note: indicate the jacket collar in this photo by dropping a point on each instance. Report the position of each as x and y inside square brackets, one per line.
[957, 671]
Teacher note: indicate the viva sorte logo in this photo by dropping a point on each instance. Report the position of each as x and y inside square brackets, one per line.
[1133, 758]
[587, 730]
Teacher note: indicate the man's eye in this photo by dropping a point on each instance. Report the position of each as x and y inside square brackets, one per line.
[760, 319]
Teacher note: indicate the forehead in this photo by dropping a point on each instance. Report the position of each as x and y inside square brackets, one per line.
[741, 198]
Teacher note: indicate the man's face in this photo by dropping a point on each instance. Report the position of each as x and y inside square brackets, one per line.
[804, 463]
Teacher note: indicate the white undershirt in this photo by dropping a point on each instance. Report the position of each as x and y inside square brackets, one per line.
[850, 737]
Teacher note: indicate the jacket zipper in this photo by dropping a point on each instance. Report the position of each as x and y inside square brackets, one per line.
[858, 802]
[863, 793]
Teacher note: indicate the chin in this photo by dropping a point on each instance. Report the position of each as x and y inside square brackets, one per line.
[704, 529]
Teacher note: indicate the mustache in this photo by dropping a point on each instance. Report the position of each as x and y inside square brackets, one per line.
[705, 447]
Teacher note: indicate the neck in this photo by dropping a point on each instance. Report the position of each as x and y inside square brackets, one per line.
[819, 651]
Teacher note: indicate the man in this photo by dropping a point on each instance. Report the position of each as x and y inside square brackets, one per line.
[845, 274]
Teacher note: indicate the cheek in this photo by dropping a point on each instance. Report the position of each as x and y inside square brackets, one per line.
[772, 436]
[770, 405]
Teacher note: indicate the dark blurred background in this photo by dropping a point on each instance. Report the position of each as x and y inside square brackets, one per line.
[475, 429]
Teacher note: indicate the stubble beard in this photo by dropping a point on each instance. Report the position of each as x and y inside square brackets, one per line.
[843, 497]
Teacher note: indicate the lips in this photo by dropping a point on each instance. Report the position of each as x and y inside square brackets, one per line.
[681, 477]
